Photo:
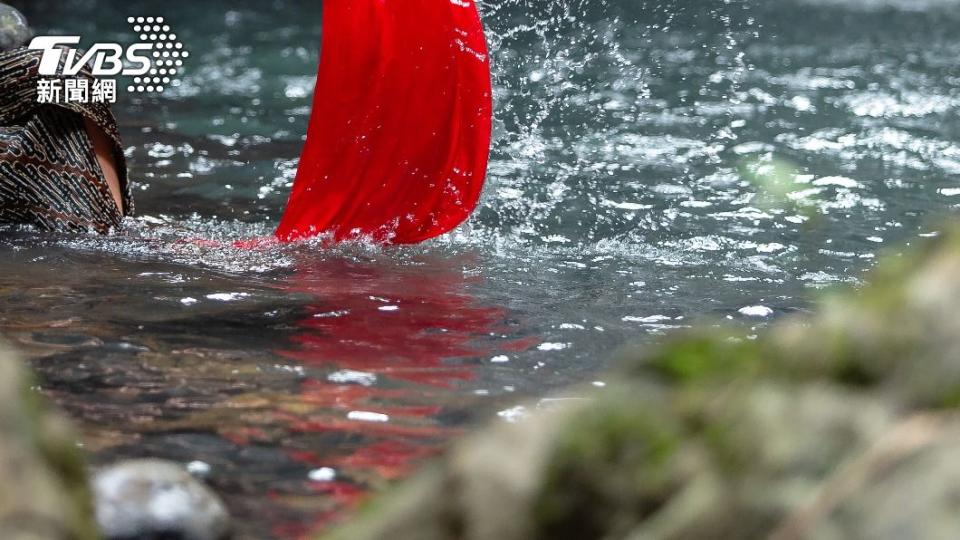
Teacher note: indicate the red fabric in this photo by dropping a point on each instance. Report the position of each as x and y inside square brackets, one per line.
[399, 135]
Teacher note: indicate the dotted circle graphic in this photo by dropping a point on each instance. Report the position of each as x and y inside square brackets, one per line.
[166, 56]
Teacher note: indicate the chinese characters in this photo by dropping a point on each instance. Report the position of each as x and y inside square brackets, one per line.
[79, 90]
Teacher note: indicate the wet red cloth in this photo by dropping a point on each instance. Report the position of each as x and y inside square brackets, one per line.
[399, 136]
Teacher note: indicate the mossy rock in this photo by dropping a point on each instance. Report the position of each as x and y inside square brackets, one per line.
[45, 492]
[615, 462]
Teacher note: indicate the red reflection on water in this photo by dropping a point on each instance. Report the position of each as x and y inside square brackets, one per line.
[409, 329]
[403, 323]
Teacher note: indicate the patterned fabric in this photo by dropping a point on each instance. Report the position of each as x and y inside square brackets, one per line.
[49, 174]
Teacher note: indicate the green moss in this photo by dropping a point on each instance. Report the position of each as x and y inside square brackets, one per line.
[708, 357]
[55, 444]
[614, 463]
[950, 398]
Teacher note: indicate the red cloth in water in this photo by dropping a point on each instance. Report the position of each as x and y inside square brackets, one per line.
[399, 135]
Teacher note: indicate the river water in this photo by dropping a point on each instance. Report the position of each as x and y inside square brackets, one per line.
[655, 164]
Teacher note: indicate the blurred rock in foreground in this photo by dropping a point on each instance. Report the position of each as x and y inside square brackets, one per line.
[44, 494]
[833, 426]
[150, 498]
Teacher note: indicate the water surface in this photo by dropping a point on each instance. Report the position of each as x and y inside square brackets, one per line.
[630, 194]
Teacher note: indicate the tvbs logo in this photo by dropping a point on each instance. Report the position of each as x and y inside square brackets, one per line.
[71, 76]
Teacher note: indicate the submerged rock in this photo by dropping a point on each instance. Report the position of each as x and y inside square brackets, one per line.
[14, 31]
[154, 499]
[44, 493]
[838, 425]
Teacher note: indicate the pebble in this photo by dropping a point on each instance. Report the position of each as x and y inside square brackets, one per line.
[14, 31]
[151, 498]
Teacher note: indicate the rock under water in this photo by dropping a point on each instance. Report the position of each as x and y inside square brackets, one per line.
[14, 31]
[149, 498]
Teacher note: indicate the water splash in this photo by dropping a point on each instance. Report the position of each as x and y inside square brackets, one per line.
[590, 113]
[656, 162]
